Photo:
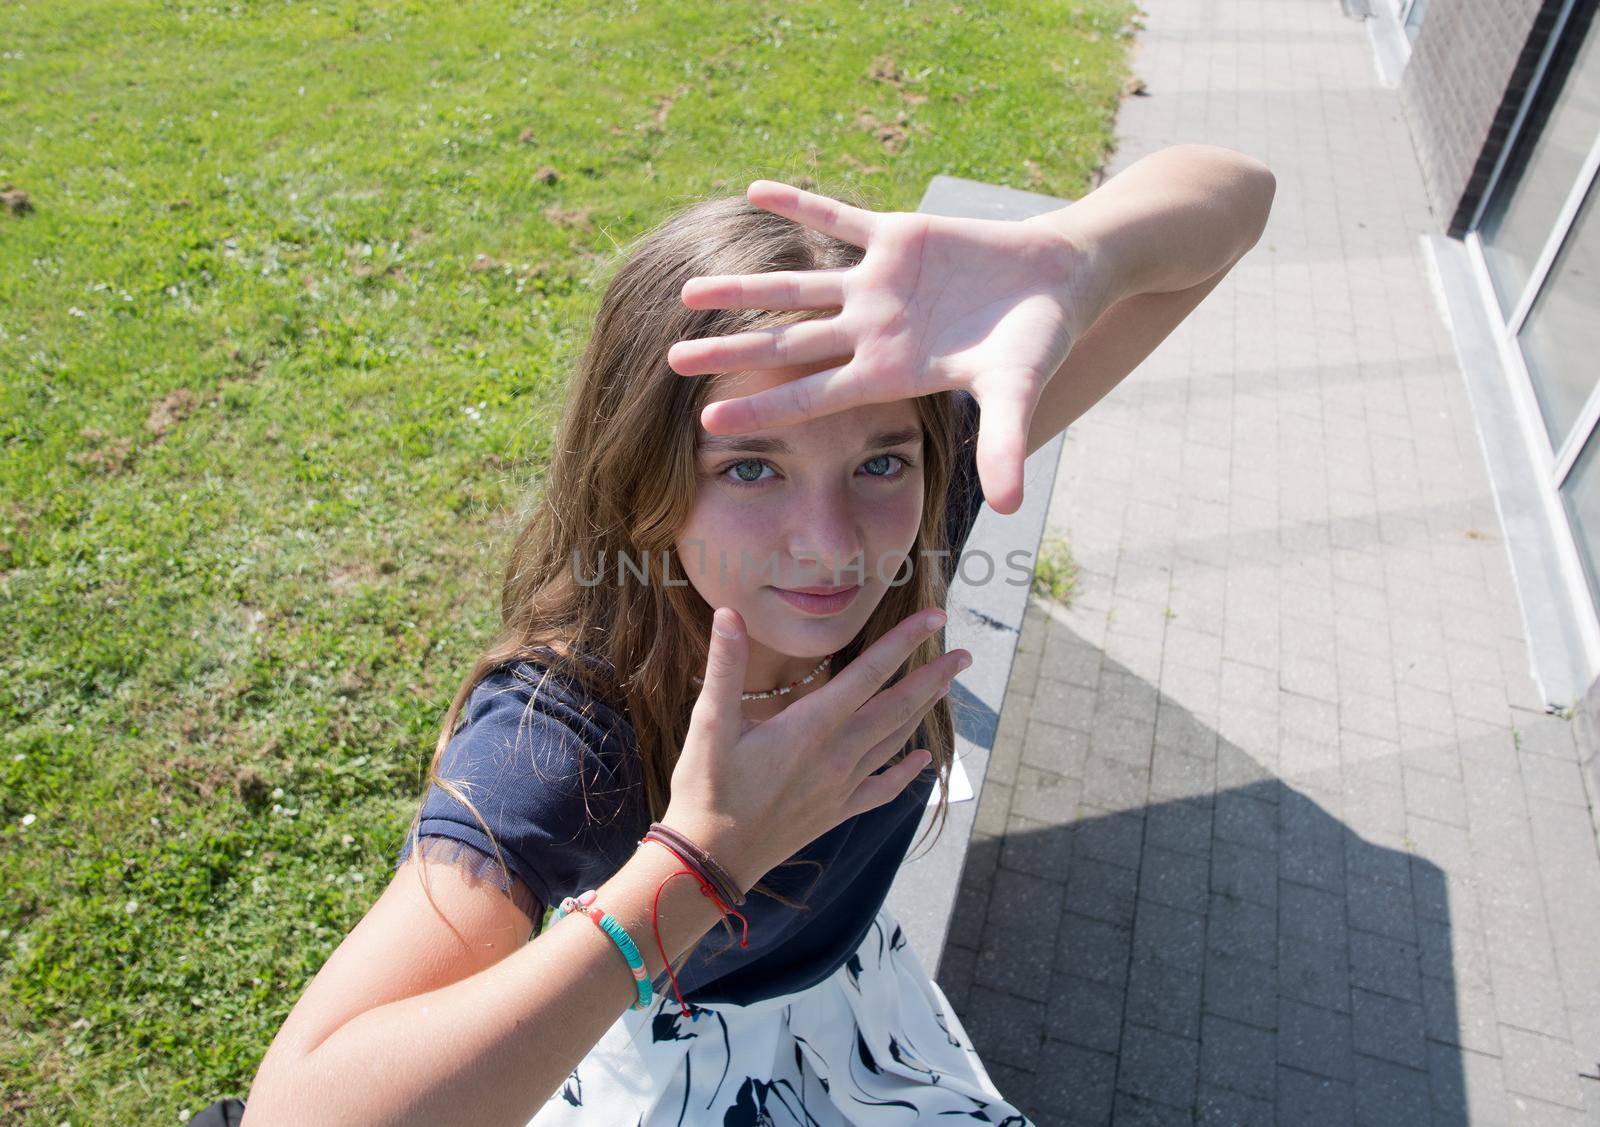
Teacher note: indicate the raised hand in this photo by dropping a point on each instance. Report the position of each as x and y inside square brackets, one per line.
[753, 793]
[935, 304]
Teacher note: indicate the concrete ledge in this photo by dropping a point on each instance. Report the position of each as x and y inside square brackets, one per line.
[1550, 611]
[986, 615]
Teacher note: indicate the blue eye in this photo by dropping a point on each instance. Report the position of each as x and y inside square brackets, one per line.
[741, 481]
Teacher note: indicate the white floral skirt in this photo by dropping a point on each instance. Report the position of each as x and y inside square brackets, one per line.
[875, 1042]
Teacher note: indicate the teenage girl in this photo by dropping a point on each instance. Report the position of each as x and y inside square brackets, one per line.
[781, 391]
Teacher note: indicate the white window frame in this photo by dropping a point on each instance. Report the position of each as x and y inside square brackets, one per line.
[1554, 464]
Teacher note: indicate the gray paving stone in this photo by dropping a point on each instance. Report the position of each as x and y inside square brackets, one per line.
[1164, 997]
[1381, 907]
[1465, 1087]
[1388, 1027]
[1309, 1098]
[1078, 1084]
[1221, 1107]
[1530, 999]
[1114, 837]
[1388, 1093]
[1385, 861]
[1135, 1111]
[1158, 1066]
[1169, 935]
[1184, 826]
[1245, 990]
[1102, 891]
[1553, 779]
[1003, 1027]
[1311, 913]
[1050, 747]
[1315, 1040]
[1314, 972]
[1385, 965]
[1238, 1057]
[1176, 880]
[1036, 849]
[1094, 949]
[1437, 797]
[1046, 796]
[1238, 927]
[1247, 820]
[1084, 1012]
[1245, 874]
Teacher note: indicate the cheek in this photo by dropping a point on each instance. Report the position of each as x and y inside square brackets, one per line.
[891, 525]
[719, 527]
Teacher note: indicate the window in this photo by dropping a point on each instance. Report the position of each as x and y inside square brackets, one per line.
[1410, 14]
[1537, 239]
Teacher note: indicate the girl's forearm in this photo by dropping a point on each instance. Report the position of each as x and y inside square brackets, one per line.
[1167, 222]
[492, 1047]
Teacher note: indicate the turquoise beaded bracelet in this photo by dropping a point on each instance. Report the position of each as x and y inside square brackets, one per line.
[584, 902]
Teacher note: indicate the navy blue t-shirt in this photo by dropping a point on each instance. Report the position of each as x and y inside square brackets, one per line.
[527, 735]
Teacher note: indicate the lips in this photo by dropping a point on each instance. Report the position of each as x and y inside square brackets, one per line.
[831, 601]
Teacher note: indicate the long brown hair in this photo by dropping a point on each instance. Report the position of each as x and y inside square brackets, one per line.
[621, 482]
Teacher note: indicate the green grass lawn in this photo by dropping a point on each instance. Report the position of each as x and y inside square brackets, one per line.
[281, 341]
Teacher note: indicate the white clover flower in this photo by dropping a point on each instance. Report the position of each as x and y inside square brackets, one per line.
[28, 819]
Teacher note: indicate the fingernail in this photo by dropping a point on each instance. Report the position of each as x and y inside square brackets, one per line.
[963, 661]
[942, 693]
[719, 623]
[934, 620]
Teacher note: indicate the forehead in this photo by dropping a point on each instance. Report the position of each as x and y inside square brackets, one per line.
[849, 427]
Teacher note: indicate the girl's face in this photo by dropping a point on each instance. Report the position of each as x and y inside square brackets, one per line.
[831, 502]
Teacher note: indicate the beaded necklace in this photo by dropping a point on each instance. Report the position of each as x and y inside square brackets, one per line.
[789, 688]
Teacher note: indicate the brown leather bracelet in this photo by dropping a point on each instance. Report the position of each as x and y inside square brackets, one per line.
[696, 863]
[713, 874]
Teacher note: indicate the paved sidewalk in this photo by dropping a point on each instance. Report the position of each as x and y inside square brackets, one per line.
[1276, 829]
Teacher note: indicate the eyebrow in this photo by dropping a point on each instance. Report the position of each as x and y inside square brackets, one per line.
[757, 444]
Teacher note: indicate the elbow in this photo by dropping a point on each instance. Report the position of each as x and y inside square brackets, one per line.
[1257, 186]
[274, 1097]
[1239, 175]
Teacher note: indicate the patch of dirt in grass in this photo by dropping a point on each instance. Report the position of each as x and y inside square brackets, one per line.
[204, 776]
[892, 135]
[568, 217]
[15, 200]
[343, 576]
[864, 169]
[106, 456]
[170, 410]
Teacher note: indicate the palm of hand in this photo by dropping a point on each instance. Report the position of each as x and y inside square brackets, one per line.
[936, 304]
[943, 303]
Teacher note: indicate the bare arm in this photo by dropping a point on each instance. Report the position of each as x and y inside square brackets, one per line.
[1160, 235]
[436, 1010]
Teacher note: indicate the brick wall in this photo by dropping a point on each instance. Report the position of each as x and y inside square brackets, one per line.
[1470, 66]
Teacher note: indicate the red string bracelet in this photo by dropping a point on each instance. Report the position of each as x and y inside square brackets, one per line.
[706, 890]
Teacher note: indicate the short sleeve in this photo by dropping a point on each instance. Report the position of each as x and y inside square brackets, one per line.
[965, 497]
[548, 775]
[478, 867]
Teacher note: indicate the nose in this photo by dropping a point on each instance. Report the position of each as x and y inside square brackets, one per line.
[825, 540]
